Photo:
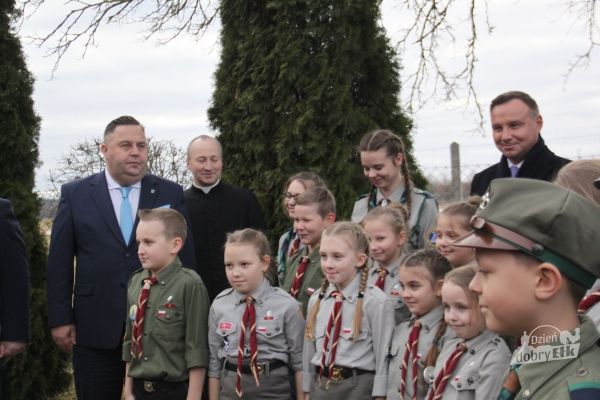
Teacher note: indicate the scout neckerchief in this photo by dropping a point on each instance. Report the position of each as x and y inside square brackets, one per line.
[411, 351]
[382, 273]
[137, 331]
[588, 302]
[297, 282]
[335, 323]
[372, 203]
[248, 321]
[439, 385]
[294, 247]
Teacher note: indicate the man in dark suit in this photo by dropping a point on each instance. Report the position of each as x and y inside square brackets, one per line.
[215, 208]
[95, 226]
[516, 126]
[14, 287]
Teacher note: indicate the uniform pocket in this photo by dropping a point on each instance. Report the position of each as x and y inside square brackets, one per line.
[348, 333]
[269, 330]
[168, 316]
[227, 330]
[467, 381]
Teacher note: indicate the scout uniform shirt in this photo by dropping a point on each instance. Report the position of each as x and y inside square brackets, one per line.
[480, 371]
[392, 288]
[279, 328]
[313, 276]
[429, 327]
[368, 350]
[423, 213]
[175, 330]
[594, 311]
[568, 379]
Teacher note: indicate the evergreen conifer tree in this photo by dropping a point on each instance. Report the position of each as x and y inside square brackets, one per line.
[39, 372]
[298, 84]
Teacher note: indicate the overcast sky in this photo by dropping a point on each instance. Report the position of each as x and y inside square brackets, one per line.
[169, 87]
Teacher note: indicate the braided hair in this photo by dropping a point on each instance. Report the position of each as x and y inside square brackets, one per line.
[438, 266]
[393, 145]
[357, 239]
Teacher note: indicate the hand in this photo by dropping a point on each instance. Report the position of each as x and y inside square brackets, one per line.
[128, 396]
[9, 349]
[64, 336]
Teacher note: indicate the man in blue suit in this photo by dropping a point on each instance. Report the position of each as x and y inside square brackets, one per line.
[14, 287]
[93, 251]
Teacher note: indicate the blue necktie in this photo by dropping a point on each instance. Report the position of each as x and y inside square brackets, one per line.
[126, 217]
[513, 170]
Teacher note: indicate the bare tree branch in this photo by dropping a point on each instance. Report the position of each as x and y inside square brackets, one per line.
[84, 19]
[165, 159]
[431, 30]
[587, 12]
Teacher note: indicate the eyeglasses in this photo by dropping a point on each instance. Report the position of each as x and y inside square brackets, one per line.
[289, 196]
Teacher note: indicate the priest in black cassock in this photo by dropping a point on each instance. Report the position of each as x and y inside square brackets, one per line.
[215, 208]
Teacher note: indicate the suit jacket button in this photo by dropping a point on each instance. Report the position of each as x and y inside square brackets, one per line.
[127, 255]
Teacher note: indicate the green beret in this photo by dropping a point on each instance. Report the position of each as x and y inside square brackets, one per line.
[548, 222]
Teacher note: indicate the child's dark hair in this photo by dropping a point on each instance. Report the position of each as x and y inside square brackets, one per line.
[438, 266]
[463, 209]
[253, 237]
[308, 179]
[393, 145]
[320, 196]
[430, 259]
[359, 242]
[172, 220]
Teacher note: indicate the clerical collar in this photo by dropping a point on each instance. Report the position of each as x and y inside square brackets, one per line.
[207, 189]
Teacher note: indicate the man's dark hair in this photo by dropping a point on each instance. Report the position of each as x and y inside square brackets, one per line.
[515, 94]
[123, 120]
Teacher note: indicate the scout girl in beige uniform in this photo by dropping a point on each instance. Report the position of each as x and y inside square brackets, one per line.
[475, 364]
[416, 343]
[386, 229]
[349, 325]
[255, 330]
[384, 163]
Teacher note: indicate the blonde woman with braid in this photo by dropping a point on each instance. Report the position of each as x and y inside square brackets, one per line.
[383, 159]
[349, 325]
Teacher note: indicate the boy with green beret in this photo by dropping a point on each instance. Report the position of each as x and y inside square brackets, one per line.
[166, 334]
[537, 250]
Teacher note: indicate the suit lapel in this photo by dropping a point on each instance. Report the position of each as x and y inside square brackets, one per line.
[148, 195]
[101, 199]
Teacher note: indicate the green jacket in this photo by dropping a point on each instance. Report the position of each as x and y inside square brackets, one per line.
[568, 379]
[175, 324]
[313, 276]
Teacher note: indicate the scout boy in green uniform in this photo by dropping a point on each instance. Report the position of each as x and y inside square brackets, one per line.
[166, 340]
[313, 212]
[536, 246]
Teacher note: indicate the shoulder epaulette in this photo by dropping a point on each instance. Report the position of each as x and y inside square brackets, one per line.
[378, 294]
[422, 192]
[280, 292]
[224, 293]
